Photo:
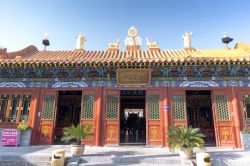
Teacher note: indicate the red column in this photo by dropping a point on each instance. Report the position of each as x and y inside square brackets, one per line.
[98, 117]
[236, 118]
[35, 119]
[162, 115]
[166, 116]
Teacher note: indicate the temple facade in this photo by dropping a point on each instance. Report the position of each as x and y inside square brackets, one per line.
[129, 96]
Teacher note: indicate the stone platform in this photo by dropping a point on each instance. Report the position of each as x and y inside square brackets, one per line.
[127, 155]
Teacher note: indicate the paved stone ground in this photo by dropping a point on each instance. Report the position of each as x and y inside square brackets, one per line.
[228, 156]
[129, 155]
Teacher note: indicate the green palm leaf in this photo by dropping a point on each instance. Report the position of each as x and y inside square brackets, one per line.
[185, 137]
[76, 133]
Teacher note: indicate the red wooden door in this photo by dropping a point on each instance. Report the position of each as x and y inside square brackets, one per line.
[48, 117]
[222, 119]
[111, 116]
[88, 113]
[178, 108]
[153, 116]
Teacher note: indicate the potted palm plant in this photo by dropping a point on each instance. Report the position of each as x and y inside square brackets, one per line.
[184, 139]
[76, 134]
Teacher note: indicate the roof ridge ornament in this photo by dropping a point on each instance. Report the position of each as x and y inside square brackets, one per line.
[152, 46]
[114, 46]
[187, 37]
[18, 58]
[80, 41]
[243, 46]
[133, 40]
[3, 53]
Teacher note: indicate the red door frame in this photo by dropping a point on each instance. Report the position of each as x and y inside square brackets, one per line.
[47, 126]
[112, 123]
[240, 124]
[45, 91]
[162, 118]
[154, 123]
[135, 88]
[177, 92]
[94, 139]
[240, 91]
[172, 90]
[224, 126]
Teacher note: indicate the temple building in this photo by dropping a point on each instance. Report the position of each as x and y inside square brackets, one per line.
[130, 96]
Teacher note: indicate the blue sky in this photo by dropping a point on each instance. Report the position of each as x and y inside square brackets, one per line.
[102, 21]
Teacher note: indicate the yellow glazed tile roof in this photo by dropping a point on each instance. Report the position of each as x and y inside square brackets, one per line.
[162, 56]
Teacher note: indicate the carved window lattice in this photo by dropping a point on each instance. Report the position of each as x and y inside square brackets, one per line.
[14, 108]
[88, 107]
[25, 109]
[222, 107]
[48, 107]
[179, 108]
[3, 107]
[153, 107]
[112, 107]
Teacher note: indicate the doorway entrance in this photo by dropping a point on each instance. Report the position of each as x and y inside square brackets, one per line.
[200, 115]
[132, 117]
[68, 112]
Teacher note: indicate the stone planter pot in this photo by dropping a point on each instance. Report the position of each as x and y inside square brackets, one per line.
[186, 153]
[245, 140]
[77, 150]
[25, 138]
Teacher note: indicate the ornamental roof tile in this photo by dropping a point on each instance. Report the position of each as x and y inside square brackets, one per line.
[31, 55]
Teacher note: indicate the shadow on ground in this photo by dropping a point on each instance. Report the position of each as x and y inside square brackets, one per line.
[224, 158]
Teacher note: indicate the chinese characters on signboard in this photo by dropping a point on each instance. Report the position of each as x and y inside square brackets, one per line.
[10, 137]
[133, 77]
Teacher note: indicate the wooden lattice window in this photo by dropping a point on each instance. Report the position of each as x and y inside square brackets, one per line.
[246, 107]
[179, 108]
[14, 108]
[88, 107]
[112, 107]
[153, 107]
[48, 107]
[25, 110]
[3, 107]
[222, 107]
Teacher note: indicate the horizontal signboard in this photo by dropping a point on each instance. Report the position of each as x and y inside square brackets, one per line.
[133, 77]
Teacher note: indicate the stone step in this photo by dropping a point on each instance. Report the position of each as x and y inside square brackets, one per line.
[128, 160]
[127, 164]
